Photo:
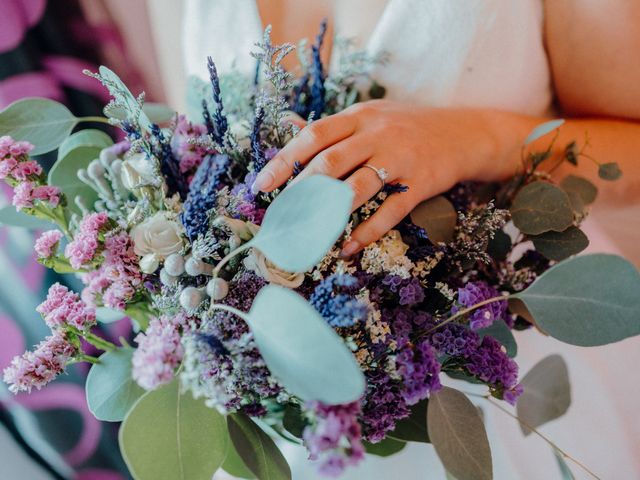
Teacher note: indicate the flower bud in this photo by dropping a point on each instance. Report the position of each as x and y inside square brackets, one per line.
[174, 264]
[191, 298]
[166, 279]
[195, 267]
[107, 156]
[149, 263]
[137, 171]
[217, 288]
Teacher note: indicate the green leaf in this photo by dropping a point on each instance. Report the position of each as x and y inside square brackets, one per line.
[302, 350]
[293, 420]
[111, 391]
[565, 471]
[304, 222]
[88, 138]
[384, 448]
[156, 112]
[581, 186]
[609, 171]
[542, 130]
[587, 300]
[414, 427]
[122, 94]
[539, 207]
[235, 466]
[109, 315]
[171, 435]
[458, 435]
[501, 332]
[438, 217]
[40, 121]
[10, 217]
[560, 245]
[547, 393]
[258, 451]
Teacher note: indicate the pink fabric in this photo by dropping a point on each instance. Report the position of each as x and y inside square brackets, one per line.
[17, 16]
[32, 84]
[11, 341]
[68, 71]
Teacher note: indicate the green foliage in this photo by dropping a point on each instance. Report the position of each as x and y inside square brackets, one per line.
[560, 245]
[540, 207]
[501, 332]
[565, 471]
[385, 448]
[110, 389]
[123, 97]
[172, 435]
[302, 350]
[10, 217]
[458, 435]
[234, 465]
[293, 420]
[609, 171]
[438, 217]
[257, 450]
[44, 123]
[547, 393]
[108, 315]
[414, 427]
[587, 300]
[542, 130]
[304, 222]
[581, 186]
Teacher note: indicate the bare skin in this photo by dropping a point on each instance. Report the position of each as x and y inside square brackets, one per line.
[590, 44]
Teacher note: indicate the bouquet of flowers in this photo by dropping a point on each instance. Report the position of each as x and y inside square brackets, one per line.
[249, 325]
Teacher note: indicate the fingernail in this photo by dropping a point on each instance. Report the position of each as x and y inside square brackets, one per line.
[349, 248]
[262, 182]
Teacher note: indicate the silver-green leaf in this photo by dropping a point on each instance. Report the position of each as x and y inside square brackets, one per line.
[539, 207]
[542, 130]
[10, 217]
[560, 245]
[438, 217]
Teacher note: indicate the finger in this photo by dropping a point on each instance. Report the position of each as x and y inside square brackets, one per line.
[340, 159]
[392, 211]
[294, 119]
[310, 141]
[365, 184]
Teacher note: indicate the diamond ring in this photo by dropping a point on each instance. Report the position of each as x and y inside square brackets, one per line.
[380, 172]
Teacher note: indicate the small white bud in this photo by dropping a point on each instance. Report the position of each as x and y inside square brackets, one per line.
[107, 156]
[174, 264]
[191, 298]
[166, 279]
[217, 288]
[234, 241]
[149, 263]
[96, 171]
[195, 267]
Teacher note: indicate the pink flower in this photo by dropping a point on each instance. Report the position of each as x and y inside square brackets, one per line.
[188, 144]
[47, 243]
[86, 244]
[25, 194]
[94, 222]
[159, 352]
[24, 170]
[6, 167]
[9, 147]
[63, 307]
[38, 368]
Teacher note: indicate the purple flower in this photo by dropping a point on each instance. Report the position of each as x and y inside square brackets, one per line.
[411, 292]
[455, 340]
[420, 371]
[476, 292]
[384, 404]
[335, 299]
[492, 365]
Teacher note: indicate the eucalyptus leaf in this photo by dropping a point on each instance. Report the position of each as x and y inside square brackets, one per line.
[560, 245]
[609, 171]
[539, 207]
[235, 466]
[501, 332]
[110, 389]
[385, 447]
[122, 94]
[293, 420]
[172, 435]
[109, 315]
[302, 350]
[87, 138]
[414, 427]
[580, 185]
[11, 217]
[44, 123]
[303, 222]
[156, 112]
[565, 471]
[547, 393]
[458, 435]
[438, 217]
[542, 130]
[258, 451]
[587, 300]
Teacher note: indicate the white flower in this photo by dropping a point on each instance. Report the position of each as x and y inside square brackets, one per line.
[392, 245]
[149, 263]
[259, 264]
[138, 170]
[157, 235]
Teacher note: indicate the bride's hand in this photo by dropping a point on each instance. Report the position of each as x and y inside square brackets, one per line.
[428, 150]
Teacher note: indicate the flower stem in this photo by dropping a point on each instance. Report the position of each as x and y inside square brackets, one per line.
[227, 308]
[462, 313]
[87, 358]
[229, 256]
[98, 342]
[96, 119]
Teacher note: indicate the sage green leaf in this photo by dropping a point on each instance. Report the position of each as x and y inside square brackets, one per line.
[501, 332]
[609, 171]
[458, 435]
[258, 451]
[565, 471]
[172, 435]
[293, 420]
[560, 245]
[385, 447]
[109, 315]
[414, 427]
[587, 300]
[10, 217]
[542, 130]
[110, 389]
[156, 112]
[448, 476]
[123, 95]
[438, 217]
[539, 207]
[306, 355]
[581, 186]
[44, 123]
[303, 222]
[547, 393]
[235, 466]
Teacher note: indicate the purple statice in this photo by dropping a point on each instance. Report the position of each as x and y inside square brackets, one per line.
[475, 292]
[401, 323]
[335, 299]
[411, 292]
[317, 74]
[26, 193]
[169, 165]
[420, 371]
[383, 405]
[63, 308]
[187, 145]
[390, 188]
[47, 243]
[491, 364]
[333, 438]
[202, 195]
[217, 124]
[86, 244]
[159, 351]
[39, 367]
[455, 340]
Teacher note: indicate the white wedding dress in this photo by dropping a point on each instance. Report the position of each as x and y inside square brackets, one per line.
[471, 53]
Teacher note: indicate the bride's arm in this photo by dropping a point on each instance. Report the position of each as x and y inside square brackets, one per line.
[593, 53]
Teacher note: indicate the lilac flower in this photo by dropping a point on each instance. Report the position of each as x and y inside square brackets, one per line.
[420, 371]
[476, 292]
[335, 299]
[38, 368]
[63, 307]
[47, 243]
[334, 437]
